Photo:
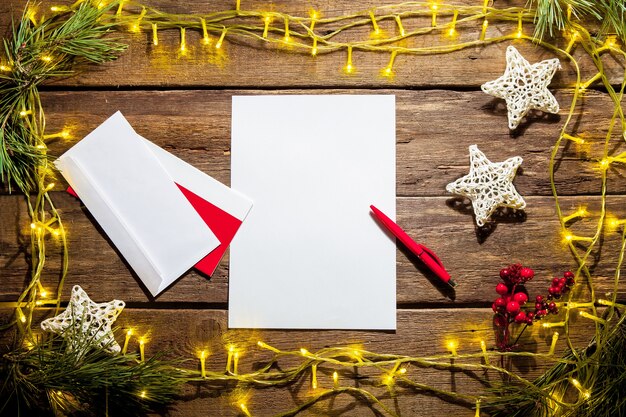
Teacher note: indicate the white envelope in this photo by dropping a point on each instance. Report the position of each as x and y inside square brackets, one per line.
[137, 203]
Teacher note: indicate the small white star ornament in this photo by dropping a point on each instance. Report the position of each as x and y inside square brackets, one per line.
[85, 323]
[524, 86]
[489, 185]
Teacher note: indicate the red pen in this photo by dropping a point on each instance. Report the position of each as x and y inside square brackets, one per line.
[422, 252]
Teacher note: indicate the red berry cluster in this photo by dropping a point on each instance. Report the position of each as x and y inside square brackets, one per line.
[513, 296]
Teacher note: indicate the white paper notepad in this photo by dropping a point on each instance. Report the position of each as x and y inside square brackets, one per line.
[310, 254]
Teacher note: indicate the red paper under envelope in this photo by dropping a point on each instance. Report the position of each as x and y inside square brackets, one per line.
[221, 223]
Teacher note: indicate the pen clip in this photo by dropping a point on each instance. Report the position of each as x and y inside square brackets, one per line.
[432, 255]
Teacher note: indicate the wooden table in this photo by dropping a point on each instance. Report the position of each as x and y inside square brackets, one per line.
[183, 104]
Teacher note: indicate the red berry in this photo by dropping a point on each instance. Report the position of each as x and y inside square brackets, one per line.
[527, 274]
[500, 302]
[570, 281]
[505, 273]
[512, 307]
[521, 317]
[551, 306]
[553, 291]
[544, 312]
[562, 281]
[555, 282]
[539, 299]
[529, 321]
[568, 274]
[502, 289]
[555, 311]
[530, 315]
[538, 306]
[494, 308]
[520, 298]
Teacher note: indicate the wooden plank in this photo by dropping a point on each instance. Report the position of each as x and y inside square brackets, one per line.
[442, 223]
[183, 333]
[434, 130]
[243, 63]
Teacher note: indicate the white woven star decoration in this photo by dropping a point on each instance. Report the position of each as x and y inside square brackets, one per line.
[524, 86]
[489, 185]
[85, 323]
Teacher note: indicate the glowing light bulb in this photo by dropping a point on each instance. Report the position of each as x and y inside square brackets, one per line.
[218, 45]
[604, 163]
[203, 364]
[568, 237]
[304, 352]
[142, 346]
[65, 134]
[5, 68]
[451, 32]
[244, 409]
[402, 370]
[43, 293]
[143, 394]
[50, 186]
[33, 226]
[46, 58]
[22, 318]
[452, 347]
[335, 379]
[519, 34]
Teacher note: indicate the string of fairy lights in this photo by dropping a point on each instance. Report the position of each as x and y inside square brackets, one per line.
[315, 34]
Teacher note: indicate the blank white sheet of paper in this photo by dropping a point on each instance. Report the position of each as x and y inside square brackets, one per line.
[310, 255]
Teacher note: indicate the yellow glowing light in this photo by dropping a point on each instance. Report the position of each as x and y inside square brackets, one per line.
[56, 233]
[56, 9]
[267, 20]
[142, 346]
[33, 225]
[304, 352]
[452, 346]
[46, 58]
[434, 8]
[25, 113]
[135, 28]
[604, 163]
[555, 338]
[261, 344]
[314, 14]
[388, 379]
[65, 134]
[335, 379]
[203, 364]
[50, 186]
[402, 370]
[519, 34]
[568, 237]
[22, 318]
[451, 32]
[244, 409]
[349, 68]
[314, 51]
[43, 293]
[610, 42]
[235, 362]
[231, 348]
[286, 38]
[143, 394]
[5, 68]
[183, 41]
[377, 30]
[575, 383]
[218, 45]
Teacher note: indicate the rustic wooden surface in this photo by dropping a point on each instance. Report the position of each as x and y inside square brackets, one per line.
[183, 105]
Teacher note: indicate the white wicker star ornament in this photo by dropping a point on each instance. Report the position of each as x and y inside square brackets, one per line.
[489, 185]
[85, 323]
[524, 86]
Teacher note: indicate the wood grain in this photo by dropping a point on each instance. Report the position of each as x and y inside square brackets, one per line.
[183, 104]
[184, 332]
[148, 66]
[434, 130]
[442, 223]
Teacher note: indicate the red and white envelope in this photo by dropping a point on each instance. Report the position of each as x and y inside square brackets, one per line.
[163, 215]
